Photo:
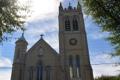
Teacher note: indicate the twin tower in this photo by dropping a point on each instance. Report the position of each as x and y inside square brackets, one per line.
[42, 62]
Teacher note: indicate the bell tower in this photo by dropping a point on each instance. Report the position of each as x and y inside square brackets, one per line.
[19, 59]
[74, 55]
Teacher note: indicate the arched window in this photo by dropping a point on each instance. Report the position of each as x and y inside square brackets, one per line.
[40, 71]
[20, 74]
[78, 66]
[67, 25]
[48, 72]
[75, 24]
[71, 66]
[31, 73]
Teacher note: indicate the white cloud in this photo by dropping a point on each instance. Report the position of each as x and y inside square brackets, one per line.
[5, 62]
[41, 9]
[98, 35]
[5, 74]
[43, 12]
[106, 70]
[41, 28]
[101, 58]
[104, 64]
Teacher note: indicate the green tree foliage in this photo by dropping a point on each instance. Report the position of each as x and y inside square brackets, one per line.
[11, 18]
[107, 14]
[108, 78]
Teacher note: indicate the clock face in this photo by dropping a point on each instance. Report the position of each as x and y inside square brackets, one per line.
[73, 41]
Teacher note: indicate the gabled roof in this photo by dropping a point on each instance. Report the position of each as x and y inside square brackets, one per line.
[41, 43]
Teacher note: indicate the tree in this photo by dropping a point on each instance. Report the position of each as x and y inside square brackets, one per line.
[107, 14]
[11, 18]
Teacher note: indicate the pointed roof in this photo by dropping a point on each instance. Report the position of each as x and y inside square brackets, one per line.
[22, 39]
[41, 43]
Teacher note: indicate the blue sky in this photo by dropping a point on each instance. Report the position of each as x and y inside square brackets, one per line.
[44, 20]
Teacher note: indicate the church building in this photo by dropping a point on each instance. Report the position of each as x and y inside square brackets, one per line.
[42, 62]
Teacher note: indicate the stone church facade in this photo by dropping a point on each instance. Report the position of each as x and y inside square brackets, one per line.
[42, 62]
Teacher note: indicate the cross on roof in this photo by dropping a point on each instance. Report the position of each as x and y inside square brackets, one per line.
[41, 36]
[69, 4]
[23, 31]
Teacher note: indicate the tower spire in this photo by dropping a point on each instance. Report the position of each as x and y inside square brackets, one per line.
[78, 6]
[22, 36]
[60, 7]
[69, 7]
[69, 4]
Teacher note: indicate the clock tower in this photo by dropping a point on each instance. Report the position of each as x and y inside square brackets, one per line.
[74, 55]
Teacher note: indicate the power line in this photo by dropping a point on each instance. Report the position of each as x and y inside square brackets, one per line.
[97, 64]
